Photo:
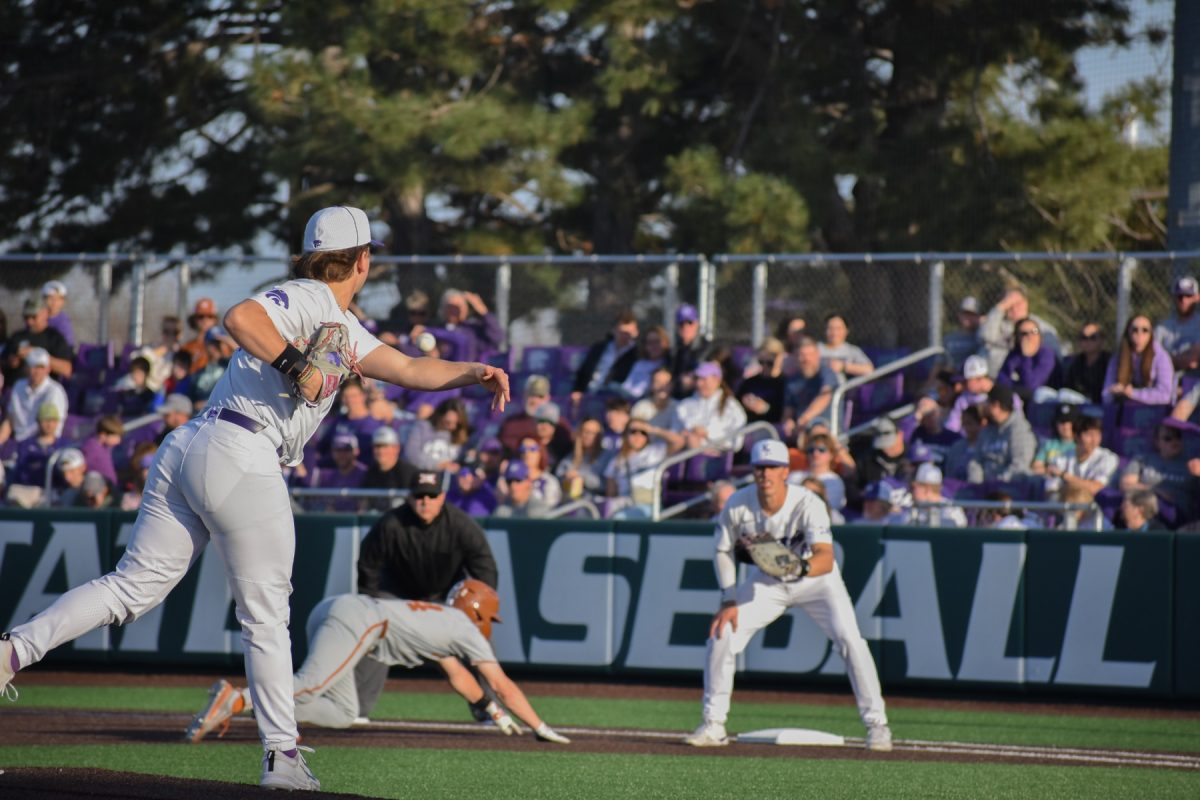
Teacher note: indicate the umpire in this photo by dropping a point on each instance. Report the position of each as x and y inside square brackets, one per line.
[418, 551]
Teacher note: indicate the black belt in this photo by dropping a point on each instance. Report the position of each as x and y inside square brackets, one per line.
[239, 419]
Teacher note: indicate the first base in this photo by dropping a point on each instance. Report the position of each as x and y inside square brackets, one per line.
[791, 736]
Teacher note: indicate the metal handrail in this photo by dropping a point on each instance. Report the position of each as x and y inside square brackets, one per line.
[835, 403]
[566, 508]
[330, 491]
[1028, 505]
[679, 508]
[738, 436]
[894, 414]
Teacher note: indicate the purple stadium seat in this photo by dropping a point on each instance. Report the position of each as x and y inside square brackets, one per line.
[542, 360]
[570, 357]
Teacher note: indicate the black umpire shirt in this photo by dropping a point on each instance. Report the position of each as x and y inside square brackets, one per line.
[401, 556]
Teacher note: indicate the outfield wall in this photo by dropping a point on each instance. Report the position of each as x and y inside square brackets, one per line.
[1010, 610]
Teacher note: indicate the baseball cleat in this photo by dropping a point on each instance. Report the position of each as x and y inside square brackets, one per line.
[7, 690]
[224, 702]
[281, 771]
[879, 739]
[709, 734]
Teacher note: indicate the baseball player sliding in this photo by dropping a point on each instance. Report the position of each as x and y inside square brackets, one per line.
[345, 628]
[218, 477]
[784, 531]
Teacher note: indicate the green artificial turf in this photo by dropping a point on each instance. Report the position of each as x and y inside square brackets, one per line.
[992, 727]
[431, 774]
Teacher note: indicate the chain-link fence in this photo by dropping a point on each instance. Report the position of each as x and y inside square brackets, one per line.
[893, 301]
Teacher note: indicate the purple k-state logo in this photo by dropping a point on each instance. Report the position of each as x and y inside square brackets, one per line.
[278, 297]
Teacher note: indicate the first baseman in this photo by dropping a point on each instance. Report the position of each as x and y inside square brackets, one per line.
[345, 628]
[218, 477]
[799, 519]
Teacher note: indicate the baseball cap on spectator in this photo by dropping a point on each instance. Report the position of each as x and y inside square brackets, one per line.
[1065, 413]
[385, 436]
[969, 304]
[643, 410]
[37, 357]
[1001, 395]
[920, 454]
[1186, 287]
[176, 403]
[516, 471]
[54, 287]
[929, 475]
[71, 458]
[769, 453]
[1179, 425]
[338, 228]
[426, 483]
[547, 412]
[215, 334]
[146, 461]
[491, 445]
[975, 367]
[817, 422]
[537, 386]
[885, 434]
[709, 369]
[48, 410]
[345, 440]
[687, 313]
[31, 307]
[94, 483]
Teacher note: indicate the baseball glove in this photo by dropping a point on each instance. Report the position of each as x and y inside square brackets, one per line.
[771, 556]
[327, 352]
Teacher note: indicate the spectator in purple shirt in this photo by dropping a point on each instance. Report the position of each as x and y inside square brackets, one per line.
[476, 336]
[98, 448]
[1030, 364]
[472, 493]
[347, 472]
[34, 452]
[54, 296]
[1141, 370]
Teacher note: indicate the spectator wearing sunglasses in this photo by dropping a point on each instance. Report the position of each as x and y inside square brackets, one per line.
[762, 394]
[1141, 370]
[1085, 370]
[1179, 334]
[1030, 364]
[547, 491]
[821, 453]
[630, 474]
[1167, 471]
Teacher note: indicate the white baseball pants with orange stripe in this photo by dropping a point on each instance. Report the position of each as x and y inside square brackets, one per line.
[341, 630]
[762, 600]
[210, 481]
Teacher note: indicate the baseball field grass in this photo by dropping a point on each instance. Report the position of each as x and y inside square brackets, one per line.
[553, 772]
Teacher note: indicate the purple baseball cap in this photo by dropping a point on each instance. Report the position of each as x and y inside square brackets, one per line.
[687, 313]
[709, 369]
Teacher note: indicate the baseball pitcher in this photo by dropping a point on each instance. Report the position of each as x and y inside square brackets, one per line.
[784, 532]
[218, 477]
[345, 628]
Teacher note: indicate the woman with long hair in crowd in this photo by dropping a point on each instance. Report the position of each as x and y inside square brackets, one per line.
[546, 488]
[821, 451]
[437, 442]
[582, 471]
[653, 352]
[629, 475]
[1030, 364]
[1141, 370]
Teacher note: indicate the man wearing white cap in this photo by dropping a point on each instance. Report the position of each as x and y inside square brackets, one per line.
[28, 395]
[54, 295]
[73, 467]
[798, 518]
[927, 488]
[219, 478]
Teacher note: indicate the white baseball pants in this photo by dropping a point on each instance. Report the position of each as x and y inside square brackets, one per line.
[210, 480]
[762, 600]
[341, 631]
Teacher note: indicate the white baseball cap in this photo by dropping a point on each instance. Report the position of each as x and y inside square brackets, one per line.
[54, 287]
[975, 367]
[71, 458]
[928, 474]
[769, 453]
[337, 228]
[385, 436]
[37, 357]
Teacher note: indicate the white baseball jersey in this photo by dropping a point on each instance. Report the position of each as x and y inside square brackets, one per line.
[258, 390]
[802, 520]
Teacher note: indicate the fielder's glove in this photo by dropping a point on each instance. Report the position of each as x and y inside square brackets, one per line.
[771, 556]
[329, 354]
[548, 734]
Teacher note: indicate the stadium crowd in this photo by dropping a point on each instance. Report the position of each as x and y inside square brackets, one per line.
[1010, 415]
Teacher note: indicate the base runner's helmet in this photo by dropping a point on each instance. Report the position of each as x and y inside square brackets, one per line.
[479, 602]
